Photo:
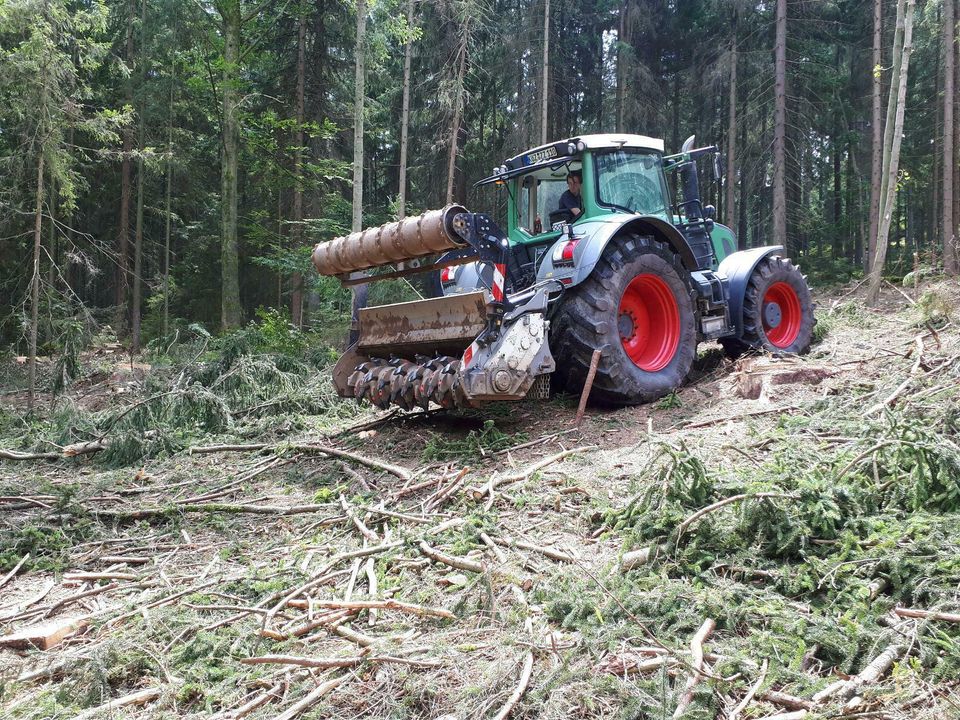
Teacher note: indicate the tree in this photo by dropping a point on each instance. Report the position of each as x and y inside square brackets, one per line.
[951, 262]
[896, 107]
[233, 20]
[456, 93]
[405, 113]
[731, 179]
[123, 230]
[137, 299]
[876, 154]
[296, 298]
[545, 82]
[359, 293]
[780, 127]
[49, 50]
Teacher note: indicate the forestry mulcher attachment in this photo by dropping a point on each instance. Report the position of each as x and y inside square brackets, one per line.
[632, 275]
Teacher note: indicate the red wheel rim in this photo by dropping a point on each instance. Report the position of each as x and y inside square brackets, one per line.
[781, 314]
[649, 322]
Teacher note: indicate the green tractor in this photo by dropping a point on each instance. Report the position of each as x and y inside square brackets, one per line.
[616, 267]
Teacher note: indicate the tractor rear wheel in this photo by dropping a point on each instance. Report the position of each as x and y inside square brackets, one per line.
[636, 308]
[777, 311]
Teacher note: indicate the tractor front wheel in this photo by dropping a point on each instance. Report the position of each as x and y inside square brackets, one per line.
[777, 310]
[636, 308]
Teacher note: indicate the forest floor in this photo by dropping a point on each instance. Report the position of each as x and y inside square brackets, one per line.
[780, 538]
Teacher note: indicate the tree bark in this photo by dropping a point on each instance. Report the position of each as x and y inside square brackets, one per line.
[956, 147]
[622, 61]
[230, 314]
[729, 211]
[123, 232]
[877, 146]
[296, 296]
[138, 233]
[168, 193]
[780, 127]
[545, 84]
[896, 106]
[950, 260]
[888, 126]
[35, 288]
[405, 114]
[457, 108]
[358, 292]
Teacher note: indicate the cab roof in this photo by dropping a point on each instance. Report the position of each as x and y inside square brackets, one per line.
[563, 151]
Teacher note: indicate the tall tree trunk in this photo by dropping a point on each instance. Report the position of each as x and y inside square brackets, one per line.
[729, 211]
[168, 193]
[545, 83]
[950, 259]
[621, 98]
[296, 297]
[359, 292]
[35, 286]
[123, 232]
[956, 146]
[876, 161]
[405, 114]
[138, 233]
[230, 313]
[137, 261]
[52, 235]
[780, 127]
[457, 111]
[896, 106]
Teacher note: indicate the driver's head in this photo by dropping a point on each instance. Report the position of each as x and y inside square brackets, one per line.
[574, 181]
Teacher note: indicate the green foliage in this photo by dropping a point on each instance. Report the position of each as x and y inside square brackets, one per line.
[935, 309]
[476, 444]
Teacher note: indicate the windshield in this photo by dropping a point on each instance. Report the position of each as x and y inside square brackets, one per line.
[632, 180]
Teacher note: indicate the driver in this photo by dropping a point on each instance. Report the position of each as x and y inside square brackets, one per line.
[571, 200]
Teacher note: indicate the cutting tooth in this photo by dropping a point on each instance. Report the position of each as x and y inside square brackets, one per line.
[380, 384]
[401, 390]
[442, 391]
[360, 378]
[425, 380]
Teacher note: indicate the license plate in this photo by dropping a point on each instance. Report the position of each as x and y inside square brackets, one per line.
[541, 155]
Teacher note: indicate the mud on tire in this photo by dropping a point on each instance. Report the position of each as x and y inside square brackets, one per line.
[777, 311]
[595, 314]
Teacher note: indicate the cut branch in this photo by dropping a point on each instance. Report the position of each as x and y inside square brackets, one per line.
[519, 690]
[454, 562]
[696, 649]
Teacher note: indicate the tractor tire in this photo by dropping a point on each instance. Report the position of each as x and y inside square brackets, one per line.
[636, 308]
[777, 311]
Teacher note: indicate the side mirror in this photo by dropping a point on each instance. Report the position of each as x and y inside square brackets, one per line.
[709, 212]
[717, 167]
[688, 144]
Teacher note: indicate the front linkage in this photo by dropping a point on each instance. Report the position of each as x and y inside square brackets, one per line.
[501, 363]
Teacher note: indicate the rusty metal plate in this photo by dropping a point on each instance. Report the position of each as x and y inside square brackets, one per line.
[446, 325]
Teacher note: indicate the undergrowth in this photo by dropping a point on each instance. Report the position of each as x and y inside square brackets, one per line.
[867, 525]
[262, 379]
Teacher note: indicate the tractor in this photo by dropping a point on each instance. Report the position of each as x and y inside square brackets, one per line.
[633, 275]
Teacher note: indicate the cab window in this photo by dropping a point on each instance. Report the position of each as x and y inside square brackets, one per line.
[538, 196]
[632, 181]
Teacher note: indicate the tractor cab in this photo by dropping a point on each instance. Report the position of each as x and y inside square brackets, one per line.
[622, 176]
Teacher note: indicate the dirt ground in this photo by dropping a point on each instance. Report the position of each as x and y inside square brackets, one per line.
[484, 565]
